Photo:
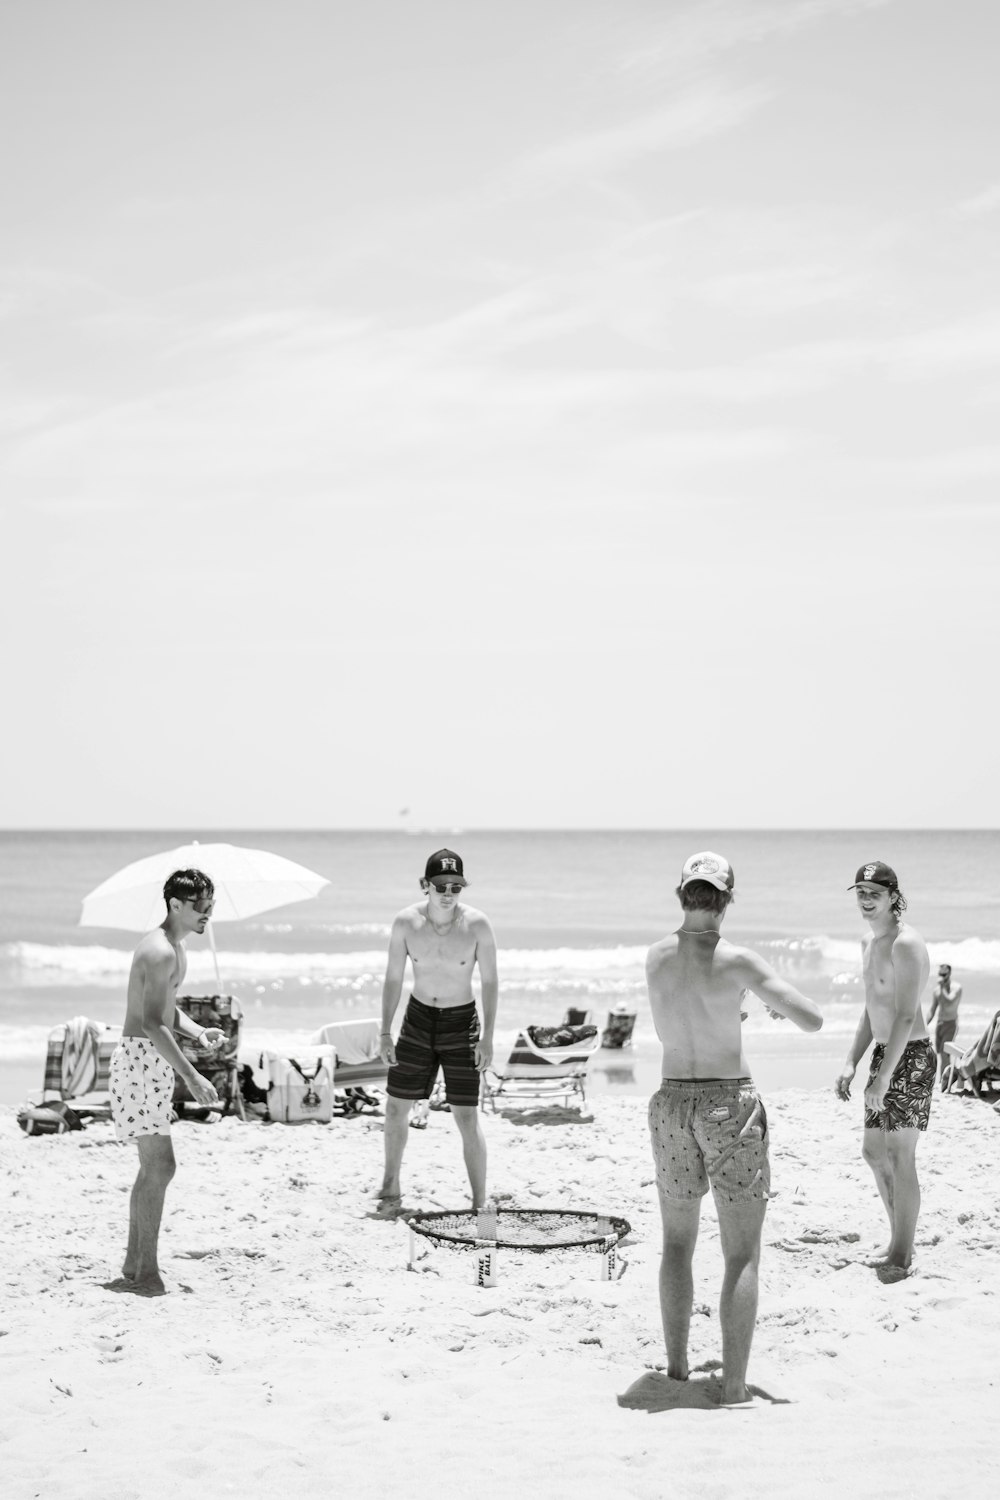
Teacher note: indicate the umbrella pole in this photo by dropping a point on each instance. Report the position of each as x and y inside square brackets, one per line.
[215, 957]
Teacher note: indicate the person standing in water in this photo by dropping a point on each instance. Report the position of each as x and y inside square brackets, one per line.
[945, 1000]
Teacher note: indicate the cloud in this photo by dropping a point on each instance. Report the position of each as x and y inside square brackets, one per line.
[711, 27]
[705, 111]
[986, 202]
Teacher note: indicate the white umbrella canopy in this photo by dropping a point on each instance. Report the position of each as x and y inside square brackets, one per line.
[247, 881]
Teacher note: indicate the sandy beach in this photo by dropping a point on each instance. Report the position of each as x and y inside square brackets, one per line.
[296, 1354]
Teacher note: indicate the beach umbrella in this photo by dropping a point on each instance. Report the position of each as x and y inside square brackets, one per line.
[247, 882]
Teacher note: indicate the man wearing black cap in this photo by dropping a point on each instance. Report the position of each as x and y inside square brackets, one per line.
[903, 1067]
[444, 940]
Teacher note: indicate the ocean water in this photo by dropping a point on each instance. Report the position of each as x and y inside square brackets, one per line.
[574, 913]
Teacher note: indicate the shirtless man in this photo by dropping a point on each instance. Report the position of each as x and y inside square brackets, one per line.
[707, 1121]
[142, 1070]
[945, 1001]
[903, 1067]
[444, 941]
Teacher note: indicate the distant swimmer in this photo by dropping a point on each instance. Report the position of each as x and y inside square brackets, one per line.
[707, 1121]
[945, 1000]
[444, 941]
[143, 1066]
[903, 1066]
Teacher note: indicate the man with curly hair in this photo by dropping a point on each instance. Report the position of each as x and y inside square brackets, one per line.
[903, 1066]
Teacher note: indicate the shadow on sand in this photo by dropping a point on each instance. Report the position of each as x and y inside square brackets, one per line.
[545, 1114]
[655, 1392]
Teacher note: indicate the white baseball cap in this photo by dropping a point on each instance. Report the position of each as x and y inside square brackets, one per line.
[711, 867]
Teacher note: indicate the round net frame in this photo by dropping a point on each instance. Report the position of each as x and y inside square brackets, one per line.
[532, 1230]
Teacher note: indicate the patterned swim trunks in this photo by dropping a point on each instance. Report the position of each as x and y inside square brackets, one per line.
[911, 1088]
[710, 1131]
[432, 1038]
[141, 1086]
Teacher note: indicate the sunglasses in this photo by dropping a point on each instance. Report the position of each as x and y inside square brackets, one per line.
[446, 888]
[203, 908]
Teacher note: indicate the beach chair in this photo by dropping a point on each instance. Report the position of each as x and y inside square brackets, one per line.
[618, 1031]
[221, 1068]
[77, 1063]
[545, 1062]
[356, 1045]
[978, 1065]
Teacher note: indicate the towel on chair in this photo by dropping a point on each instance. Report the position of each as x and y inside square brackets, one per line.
[79, 1058]
[353, 1041]
[986, 1052]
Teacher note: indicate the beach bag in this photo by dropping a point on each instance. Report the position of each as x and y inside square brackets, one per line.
[48, 1119]
[299, 1091]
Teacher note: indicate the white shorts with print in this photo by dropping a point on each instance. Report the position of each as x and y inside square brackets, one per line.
[141, 1085]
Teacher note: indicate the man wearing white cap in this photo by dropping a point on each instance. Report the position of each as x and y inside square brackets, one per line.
[900, 1084]
[707, 1121]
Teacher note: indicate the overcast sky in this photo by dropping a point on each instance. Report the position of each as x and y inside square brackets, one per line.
[562, 413]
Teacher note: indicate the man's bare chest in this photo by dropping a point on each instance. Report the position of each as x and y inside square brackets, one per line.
[454, 950]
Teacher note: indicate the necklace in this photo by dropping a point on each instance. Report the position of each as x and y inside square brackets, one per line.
[700, 931]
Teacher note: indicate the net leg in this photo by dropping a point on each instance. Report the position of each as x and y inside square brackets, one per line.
[411, 1253]
[609, 1262]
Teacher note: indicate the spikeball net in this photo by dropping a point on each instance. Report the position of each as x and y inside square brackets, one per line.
[533, 1231]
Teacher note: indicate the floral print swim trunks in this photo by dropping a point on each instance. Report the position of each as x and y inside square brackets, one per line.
[911, 1088]
[141, 1086]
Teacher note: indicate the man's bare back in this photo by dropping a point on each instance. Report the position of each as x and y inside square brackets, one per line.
[696, 985]
[697, 981]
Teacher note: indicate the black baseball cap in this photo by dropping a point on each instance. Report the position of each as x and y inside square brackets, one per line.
[445, 864]
[876, 873]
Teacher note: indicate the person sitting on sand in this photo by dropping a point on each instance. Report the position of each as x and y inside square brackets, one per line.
[707, 1121]
[903, 1066]
[141, 1077]
[444, 940]
[945, 1000]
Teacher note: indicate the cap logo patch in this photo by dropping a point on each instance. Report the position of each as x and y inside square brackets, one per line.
[448, 864]
[710, 866]
[869, 872]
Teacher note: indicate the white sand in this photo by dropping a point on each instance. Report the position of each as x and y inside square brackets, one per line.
[296, 1356]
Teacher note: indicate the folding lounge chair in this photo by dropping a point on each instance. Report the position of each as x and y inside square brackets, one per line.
[77, 1063]
[220, 1067]
[357, 1061]
[536, 1071]
[978, 1065]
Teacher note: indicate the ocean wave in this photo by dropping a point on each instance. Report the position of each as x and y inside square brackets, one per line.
[975, 955]
[42, 963]
[37, 965]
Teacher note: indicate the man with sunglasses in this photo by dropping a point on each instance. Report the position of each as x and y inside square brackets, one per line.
[143, 1065]
[443, 940]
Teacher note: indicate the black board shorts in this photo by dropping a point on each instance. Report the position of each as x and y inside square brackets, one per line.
[432, 1039]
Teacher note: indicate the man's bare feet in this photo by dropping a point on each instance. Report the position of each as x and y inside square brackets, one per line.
[888, 1273]
[151, 1286]
[386, 1206]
